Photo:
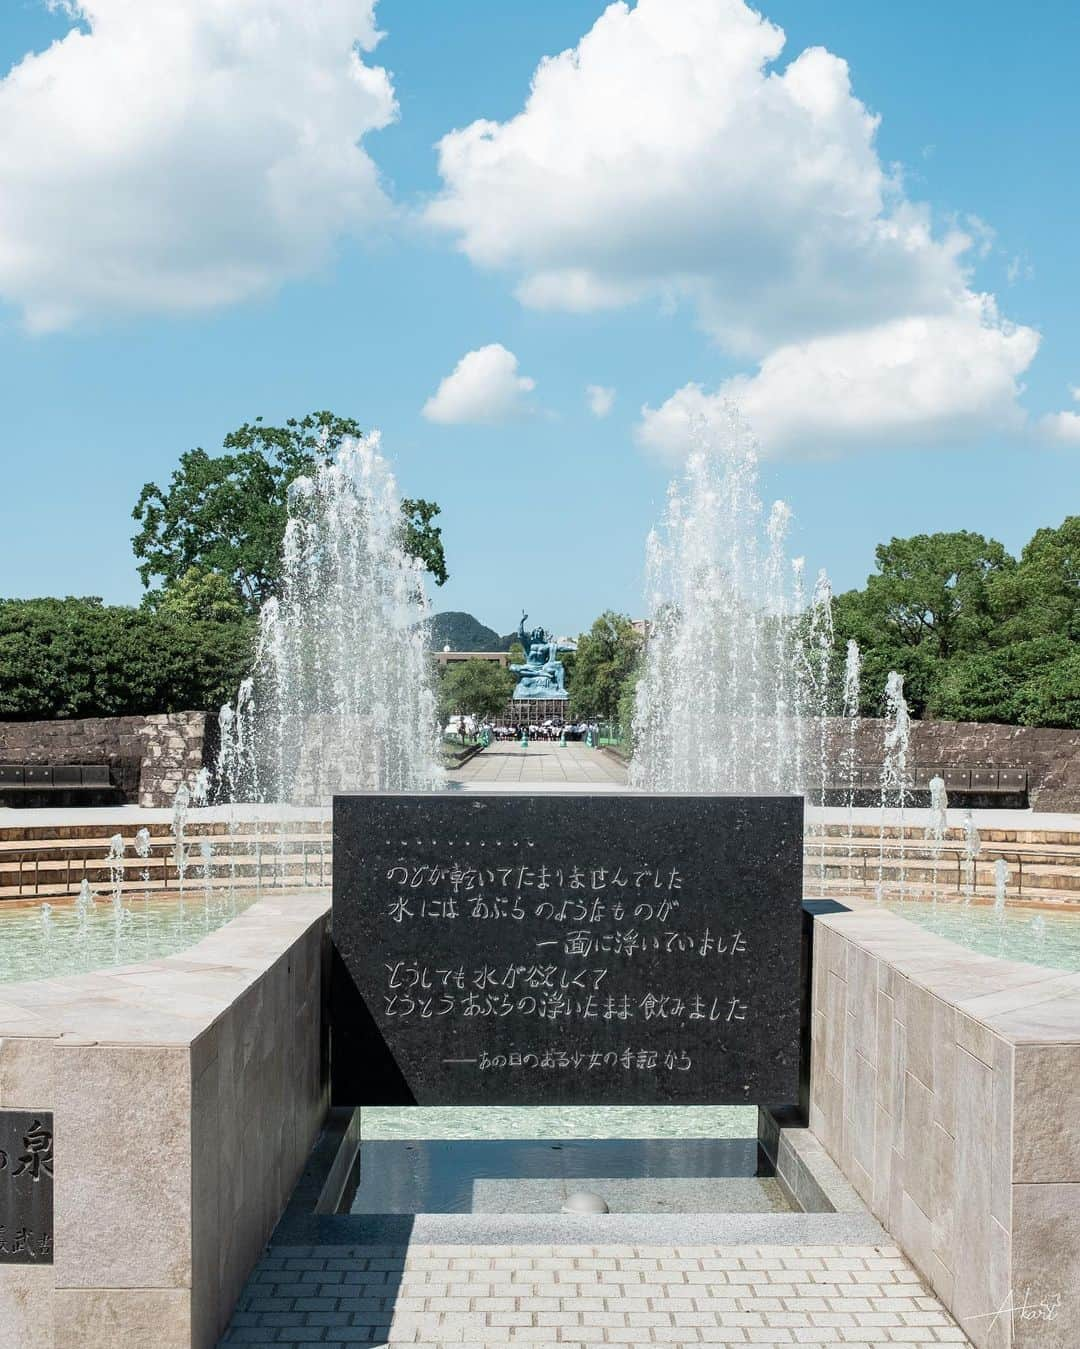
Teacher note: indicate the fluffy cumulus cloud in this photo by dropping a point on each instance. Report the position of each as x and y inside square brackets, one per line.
[1063, 427]
[668, 156]
[600, 398]
[484, 387]
[175, 157]
[940, 378]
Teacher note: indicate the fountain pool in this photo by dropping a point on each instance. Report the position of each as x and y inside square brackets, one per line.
[46, 941]
[1045, 938]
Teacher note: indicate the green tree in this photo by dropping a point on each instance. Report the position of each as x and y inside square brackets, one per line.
[626, 709]
[227, 513]
[474, 688]
[1029, 683]
[1041, 597]
[607, 656]
[931, 600]
[81, 658]
[199, 596]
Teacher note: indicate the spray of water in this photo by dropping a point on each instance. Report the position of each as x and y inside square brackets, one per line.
[972, 849]
[341, 698]
[1001, 885]
[115, 861]
[850, 712]
[201, 788]
[716, 708]
[894, 775]
[181, 807]
[936, 831]
[819, 650]
[84, 904]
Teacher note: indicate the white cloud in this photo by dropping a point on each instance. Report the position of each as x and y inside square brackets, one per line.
[663, 156]
[669, 157]
[175, 157]
[1063, 427]
[929, 379]
[600, 398]
[484, 387]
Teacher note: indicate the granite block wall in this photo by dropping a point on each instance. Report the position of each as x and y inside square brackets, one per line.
[186, 1095]
[148, 757]
[946, 1085]
[1050, 756]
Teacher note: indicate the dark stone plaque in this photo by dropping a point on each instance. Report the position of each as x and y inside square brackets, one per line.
[26, 1187]
[560, 949]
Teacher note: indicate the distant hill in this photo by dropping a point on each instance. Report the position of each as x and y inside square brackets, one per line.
[462, 632]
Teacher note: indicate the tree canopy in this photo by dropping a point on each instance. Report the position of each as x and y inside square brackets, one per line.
[81, 658]
[226, 513]
[474, 688]
[977, 634]
[607, 656]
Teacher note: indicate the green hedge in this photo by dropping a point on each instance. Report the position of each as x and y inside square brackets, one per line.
[82, 658]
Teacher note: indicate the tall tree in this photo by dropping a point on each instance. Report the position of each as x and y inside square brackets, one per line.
[474, 688]
[931, 599]
[607, 656]
[226, 513]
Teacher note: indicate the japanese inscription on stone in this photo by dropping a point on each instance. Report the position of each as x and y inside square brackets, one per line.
[26, 1187]
[566, 949]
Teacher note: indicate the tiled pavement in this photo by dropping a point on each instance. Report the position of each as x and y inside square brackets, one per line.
[428, 1296]
[505, 765]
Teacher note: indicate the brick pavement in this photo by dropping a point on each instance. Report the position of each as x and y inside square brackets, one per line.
[565, 1296]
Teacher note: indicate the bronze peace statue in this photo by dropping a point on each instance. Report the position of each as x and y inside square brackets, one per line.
[542, 675]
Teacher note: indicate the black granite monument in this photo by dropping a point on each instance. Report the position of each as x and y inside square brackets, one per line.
[561, 949]
[26, 1187]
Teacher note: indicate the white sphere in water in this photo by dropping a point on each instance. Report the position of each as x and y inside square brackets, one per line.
[582, 1201]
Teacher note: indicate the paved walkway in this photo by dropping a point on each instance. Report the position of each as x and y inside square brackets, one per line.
[565, 1296]
[504, 765]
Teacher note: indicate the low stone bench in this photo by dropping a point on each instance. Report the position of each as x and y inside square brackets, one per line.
[36, 785]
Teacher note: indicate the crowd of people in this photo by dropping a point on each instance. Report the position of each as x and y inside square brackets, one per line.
[547, 730]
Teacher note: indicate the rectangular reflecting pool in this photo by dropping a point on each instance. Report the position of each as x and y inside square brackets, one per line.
[655, 1175]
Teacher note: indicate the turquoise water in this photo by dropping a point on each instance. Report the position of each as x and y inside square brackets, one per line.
[1037, 938]
[568, 1121]
[36, 943]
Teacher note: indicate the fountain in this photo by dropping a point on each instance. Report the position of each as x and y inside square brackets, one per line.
[972, 849]
[719, 706]
[894, 774]
[142, 851]
[818, 652]
[181, 805]
[850, 713]
[341, 698]
[115, 860]
[936, 830]
[84, 903]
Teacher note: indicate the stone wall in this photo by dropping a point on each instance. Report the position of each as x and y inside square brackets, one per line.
[186, 1095]
[1051, 757]
[148, 757]
[946, 1085]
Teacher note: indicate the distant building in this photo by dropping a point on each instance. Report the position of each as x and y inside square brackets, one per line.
[447, 657]
[641, 625]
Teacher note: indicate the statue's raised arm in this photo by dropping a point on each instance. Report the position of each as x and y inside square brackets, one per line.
[523, 636]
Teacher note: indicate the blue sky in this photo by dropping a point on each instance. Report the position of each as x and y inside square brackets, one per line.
[545, 505]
